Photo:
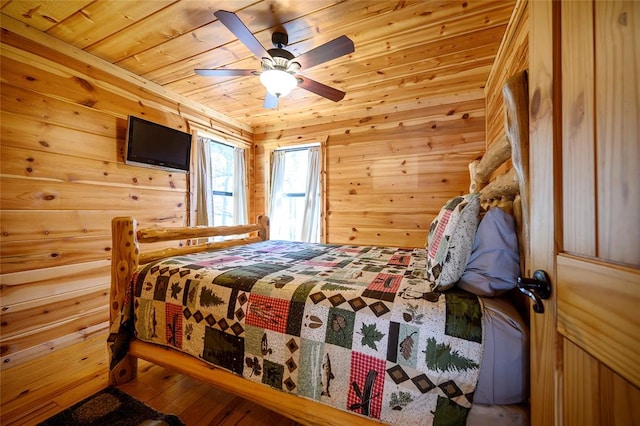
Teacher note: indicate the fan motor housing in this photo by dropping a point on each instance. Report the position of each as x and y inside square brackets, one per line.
[279, 39]
[280, 53]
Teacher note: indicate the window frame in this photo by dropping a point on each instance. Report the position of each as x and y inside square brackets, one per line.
[322, 181]
[224, 193]
[245, 146]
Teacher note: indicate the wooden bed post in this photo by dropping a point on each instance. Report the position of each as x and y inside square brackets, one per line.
[123, 367]
[515, 93]
[263, 221]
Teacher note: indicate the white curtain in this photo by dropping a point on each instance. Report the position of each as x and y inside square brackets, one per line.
[277, 221]
[310, 220]
[204, 204]
[239, 188]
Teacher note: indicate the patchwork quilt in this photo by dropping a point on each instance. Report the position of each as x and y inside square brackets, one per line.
[350, 326]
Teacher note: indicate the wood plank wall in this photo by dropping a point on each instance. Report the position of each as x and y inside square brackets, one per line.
[388, 175]
[512, 57]
[63, 179]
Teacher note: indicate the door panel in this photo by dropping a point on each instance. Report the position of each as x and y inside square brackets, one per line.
[597, 301]
[581, 390]
[598, 307]
[578, 126]
[594, 395]
[617, 87]
[585, 211]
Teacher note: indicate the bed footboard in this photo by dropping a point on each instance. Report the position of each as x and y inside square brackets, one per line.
[126, 257]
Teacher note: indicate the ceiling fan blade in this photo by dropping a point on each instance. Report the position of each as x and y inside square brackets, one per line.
[270, 101]
[333, 49]
[223, 72]
[240, 30]
[321, 89]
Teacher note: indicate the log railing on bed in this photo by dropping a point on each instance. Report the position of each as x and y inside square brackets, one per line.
[126, 258]
[507, 191]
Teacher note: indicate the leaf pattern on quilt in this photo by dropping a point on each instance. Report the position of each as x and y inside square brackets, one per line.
[175, 290]
[370, 335]
[412, 314]
[399, 400]
[338, 322]
[406, 346]
[254, 365]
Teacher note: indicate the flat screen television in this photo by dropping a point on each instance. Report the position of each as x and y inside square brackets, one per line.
[153, 145]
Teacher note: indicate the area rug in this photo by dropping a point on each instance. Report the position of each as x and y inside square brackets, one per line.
[111, 407]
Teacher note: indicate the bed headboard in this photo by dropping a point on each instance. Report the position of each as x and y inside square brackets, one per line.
[501, 176]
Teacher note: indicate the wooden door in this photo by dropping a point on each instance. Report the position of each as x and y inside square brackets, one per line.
[585, 211]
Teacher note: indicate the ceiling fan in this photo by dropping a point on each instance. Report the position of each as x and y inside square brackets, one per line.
[280, 68]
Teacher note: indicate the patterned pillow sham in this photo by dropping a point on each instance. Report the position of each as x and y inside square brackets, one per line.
[451, 237]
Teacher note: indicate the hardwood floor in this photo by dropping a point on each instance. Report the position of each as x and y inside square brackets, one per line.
[33, 391]
[194, 402]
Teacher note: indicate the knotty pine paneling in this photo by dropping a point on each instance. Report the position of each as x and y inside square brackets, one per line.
[24, 225]
[388, 175]
[46, 16]
[22, 290]
[63, 180]
[385, 66]
[512, 57]
[20, 320]
[118, 15]
[406, 52]
[150, 99]
[67, 168]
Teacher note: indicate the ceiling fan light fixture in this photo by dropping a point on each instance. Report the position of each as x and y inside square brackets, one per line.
[279, 66]
[278, 82]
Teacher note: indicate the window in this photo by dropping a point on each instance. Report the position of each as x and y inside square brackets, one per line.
[222, 173]
[221, 184]
[295, 194]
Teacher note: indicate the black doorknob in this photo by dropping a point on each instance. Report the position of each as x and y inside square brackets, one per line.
[536, 288]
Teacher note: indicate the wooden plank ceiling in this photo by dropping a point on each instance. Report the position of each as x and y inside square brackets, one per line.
[408, 54]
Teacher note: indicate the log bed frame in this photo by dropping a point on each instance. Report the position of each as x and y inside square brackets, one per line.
[507, 191]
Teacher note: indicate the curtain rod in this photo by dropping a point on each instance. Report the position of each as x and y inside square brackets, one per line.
[298, 148]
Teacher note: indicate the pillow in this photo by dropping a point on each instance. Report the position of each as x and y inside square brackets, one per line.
[451, 237]
[494, 264]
